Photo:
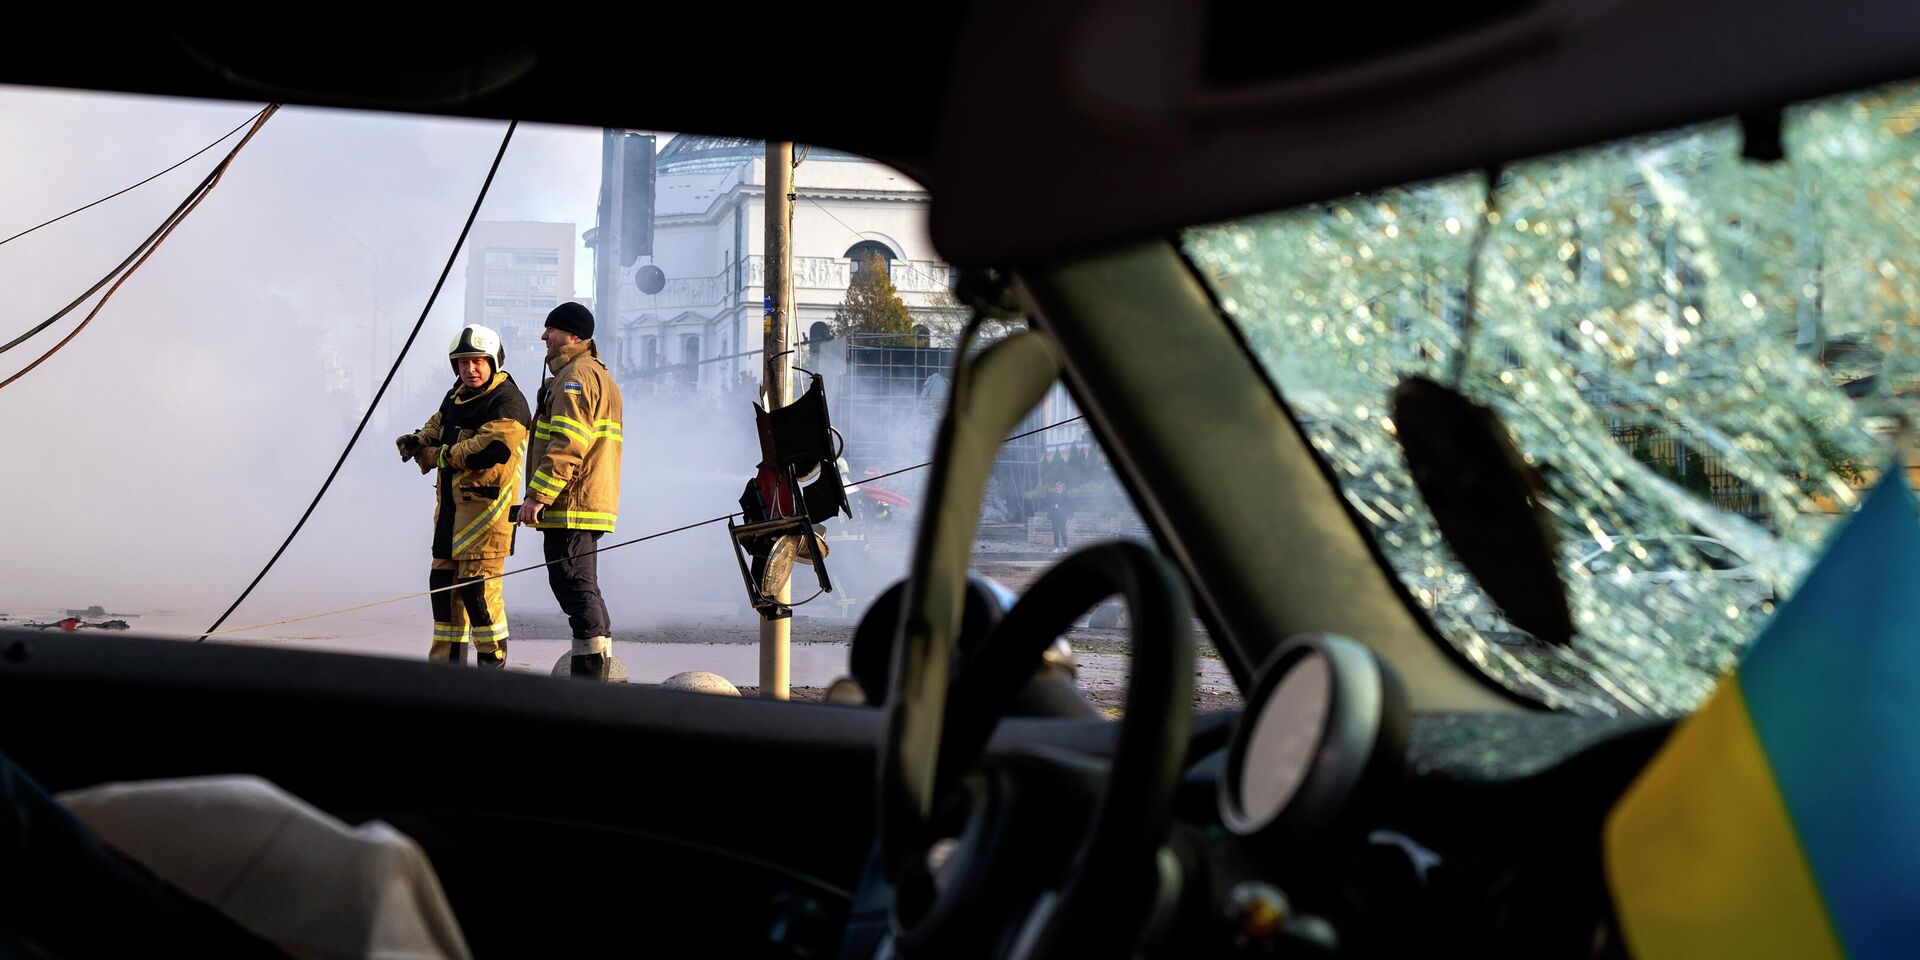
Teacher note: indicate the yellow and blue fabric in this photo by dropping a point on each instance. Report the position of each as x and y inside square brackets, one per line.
[1780, 819]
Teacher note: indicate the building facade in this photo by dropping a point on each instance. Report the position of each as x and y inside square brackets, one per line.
[516, 273]
[699, 331]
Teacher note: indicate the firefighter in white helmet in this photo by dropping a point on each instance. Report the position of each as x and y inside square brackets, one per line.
[477, 441]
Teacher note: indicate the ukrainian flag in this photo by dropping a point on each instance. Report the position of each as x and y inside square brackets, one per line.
[1782, 819]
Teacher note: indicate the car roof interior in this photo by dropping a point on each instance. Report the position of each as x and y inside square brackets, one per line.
[1045, 130]
[1062, 143]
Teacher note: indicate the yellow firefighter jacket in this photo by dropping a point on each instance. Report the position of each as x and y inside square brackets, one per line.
[575, 460]
[481, 436]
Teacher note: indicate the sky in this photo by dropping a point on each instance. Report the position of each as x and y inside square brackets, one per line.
[158, 459]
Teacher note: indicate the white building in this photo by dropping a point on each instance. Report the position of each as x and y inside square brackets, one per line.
[709, 238]
[516, 273]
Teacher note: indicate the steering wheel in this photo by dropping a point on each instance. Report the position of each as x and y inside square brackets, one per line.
[988, 872]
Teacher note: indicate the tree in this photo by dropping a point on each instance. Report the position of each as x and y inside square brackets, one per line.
[872, 304]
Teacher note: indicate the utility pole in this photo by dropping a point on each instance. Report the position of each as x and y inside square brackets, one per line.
[777, 379]
[613, 165]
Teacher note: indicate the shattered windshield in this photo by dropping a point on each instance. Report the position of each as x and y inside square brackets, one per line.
[1702, 350]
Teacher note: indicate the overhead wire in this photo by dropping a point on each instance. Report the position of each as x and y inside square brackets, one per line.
[849, 227]
[373, 405]
[189, 158]
[215, 632]
[138, 257]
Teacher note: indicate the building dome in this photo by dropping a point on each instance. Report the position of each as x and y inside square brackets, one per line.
[699, 153]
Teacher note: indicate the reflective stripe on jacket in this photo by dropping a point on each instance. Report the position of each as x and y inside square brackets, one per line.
[482, 437]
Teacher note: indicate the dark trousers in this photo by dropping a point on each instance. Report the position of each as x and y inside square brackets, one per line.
[575, 579]
[1059, 518]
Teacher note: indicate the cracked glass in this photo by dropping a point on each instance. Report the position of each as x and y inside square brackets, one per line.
[1705, 357]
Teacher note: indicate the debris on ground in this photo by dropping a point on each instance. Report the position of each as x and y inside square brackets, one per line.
[71, 624]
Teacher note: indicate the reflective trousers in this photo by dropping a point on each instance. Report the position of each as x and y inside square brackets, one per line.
[471, 614]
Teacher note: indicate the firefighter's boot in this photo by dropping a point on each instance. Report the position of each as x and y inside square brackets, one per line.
[592, 658]
[590, 666]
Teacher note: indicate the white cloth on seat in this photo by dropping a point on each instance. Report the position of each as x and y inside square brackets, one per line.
[312, 885]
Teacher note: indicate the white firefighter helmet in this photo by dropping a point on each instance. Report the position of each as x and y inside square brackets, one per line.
[475, 340]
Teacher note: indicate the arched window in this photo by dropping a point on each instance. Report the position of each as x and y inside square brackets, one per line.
[649, 352]
[690, 354]
[859, 252]
[820, 332]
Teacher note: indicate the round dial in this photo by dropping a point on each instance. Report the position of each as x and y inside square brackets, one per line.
[1285, 739]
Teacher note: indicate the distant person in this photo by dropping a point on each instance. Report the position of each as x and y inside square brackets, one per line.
[573, 493]
[1055, 504]
[475, 441]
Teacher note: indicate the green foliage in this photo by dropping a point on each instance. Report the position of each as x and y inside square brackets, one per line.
[872, 305]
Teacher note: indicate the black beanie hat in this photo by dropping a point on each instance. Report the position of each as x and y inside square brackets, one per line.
[572, 318]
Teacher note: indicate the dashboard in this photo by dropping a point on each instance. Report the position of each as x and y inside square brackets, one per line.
[1331, 822]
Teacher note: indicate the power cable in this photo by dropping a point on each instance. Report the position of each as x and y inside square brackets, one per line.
[214, 632]
[452, 257]
[849, 227]
[189, 159]
[137, 258]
